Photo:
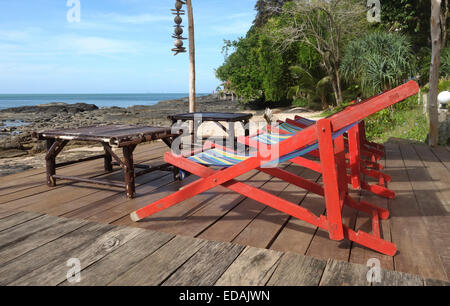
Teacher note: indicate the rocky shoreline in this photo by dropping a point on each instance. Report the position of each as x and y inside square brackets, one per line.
[18, 151]
[17, 124]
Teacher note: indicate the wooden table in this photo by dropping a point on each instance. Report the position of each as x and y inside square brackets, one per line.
[126, 137]
[217, 118]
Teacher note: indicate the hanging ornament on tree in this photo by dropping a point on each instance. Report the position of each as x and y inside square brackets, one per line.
[178, 12]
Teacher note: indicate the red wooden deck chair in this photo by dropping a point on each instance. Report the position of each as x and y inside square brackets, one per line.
[357, 148]
[327, 136]
[352, 154]
[289, 126]
[366, 146]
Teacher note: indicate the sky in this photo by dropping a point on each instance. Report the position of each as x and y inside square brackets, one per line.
[118, 46]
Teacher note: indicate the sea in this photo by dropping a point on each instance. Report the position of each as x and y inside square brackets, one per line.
[101, 100]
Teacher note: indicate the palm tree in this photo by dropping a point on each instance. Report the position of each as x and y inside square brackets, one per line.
[310, 86]
[378, 61]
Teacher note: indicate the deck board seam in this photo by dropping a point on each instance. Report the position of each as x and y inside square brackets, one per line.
[243, 198]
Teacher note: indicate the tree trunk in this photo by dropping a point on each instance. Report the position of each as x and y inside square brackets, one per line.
[323, 100]
[335, 91]
[436, 40]
[191, 57]
[338, 85]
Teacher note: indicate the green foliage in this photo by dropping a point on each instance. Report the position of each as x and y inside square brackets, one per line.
[266, 9]
[445, 63]
[424, 65]
[378, 61]
[410, 17]
[257, 71]
[313, 87]
[404, 120]
[444, 84]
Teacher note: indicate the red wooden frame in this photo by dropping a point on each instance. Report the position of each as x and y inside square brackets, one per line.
[332, 162]
[357, 165]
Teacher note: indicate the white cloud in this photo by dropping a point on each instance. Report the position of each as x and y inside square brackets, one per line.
[92, 45]
[18, 35]
[133, 19]
[235, 28]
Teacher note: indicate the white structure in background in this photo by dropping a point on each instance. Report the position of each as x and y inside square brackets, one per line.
[444, 125]
[444, 99]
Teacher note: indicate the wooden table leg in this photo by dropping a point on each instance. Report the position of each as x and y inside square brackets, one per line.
[50, 163]
[130, 184]
[231, 135]
[246, 127]
[108, 159]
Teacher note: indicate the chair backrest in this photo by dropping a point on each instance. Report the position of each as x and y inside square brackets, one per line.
[347, 117]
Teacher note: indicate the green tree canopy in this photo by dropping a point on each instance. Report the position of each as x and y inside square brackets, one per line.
[265, 9]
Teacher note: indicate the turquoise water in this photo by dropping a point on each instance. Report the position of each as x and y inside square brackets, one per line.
[101, 100]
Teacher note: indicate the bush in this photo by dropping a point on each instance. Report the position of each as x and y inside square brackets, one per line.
[378, 61]
[403, 120]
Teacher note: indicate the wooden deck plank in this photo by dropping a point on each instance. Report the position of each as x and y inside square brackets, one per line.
[206, 266]
[391, 278]
[17, 219]
[427, 195]
[68, 208]
[263, 229]
[323, 247]
[433, 205]
[6, 182]
[121, 208]
[416, 251]
[428, 158]
[297, 270]
[360, 254]
[55, 272]
[238, 218]
[253, 267]
[420, 229]
[296, 236]
[55, 199]
[120, 215]
[123, 259]
[340, 273]
[192, 216]
[96, 207]
[156, 268]
[130, 256]
[434, 282]
[212, 209]
[443, 155]
[7, 212]
[440, 176]
[23, 238]
[59, 248]
[36, 184]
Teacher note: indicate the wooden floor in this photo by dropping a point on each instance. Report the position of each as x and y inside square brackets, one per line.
[419, 223]
[37, 249]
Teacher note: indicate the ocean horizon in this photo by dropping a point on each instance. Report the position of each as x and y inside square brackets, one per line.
[100, 100]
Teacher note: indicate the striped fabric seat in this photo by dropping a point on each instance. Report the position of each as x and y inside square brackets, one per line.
[223, 158]
[305, 121]
[270, 139]
[218, 157]
[289, 128]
